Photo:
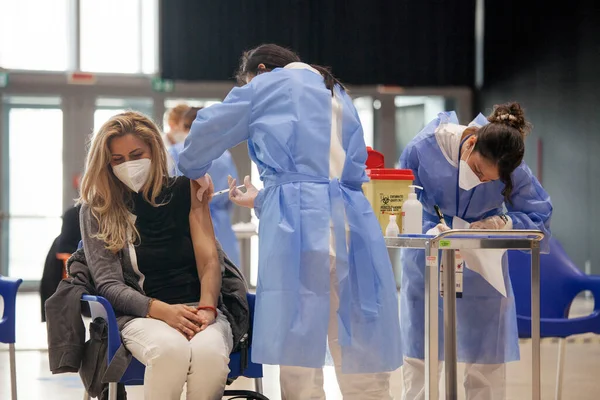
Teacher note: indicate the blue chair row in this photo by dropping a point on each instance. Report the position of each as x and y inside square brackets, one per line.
[8, 292]
[240, 363]
[560, 283]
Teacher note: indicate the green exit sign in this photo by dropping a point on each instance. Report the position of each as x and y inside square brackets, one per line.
[3, 79]
[162, 85]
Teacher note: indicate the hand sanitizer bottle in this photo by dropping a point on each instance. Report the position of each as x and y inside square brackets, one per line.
[412, 213]
[392, 229]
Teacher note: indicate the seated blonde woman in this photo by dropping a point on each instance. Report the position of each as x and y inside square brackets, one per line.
[131, 208]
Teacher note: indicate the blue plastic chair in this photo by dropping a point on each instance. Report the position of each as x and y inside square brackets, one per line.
[8, 291]
[240, 363]
[560, 283]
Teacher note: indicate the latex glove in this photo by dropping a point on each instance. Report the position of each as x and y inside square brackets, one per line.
[243, 199]
[206, 188]
[439, 228]
[494, 222]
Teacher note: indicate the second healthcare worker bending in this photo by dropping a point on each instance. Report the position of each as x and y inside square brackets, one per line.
[324, 271]
[472, 173]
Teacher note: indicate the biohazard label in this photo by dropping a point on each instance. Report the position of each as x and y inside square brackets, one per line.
[390, 203]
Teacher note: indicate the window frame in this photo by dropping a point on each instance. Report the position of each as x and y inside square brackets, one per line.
[74, 54]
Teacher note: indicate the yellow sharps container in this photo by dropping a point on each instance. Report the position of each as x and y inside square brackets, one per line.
[387, 189]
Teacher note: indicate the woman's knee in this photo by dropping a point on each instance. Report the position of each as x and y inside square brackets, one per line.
[214, 358]
[170, 352]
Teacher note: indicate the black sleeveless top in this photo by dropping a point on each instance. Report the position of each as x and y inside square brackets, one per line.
[165, 255]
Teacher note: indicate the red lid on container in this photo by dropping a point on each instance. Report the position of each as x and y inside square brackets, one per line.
[390, 174]
[374, 159]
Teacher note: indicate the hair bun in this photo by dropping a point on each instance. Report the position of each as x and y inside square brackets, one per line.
[511, 114]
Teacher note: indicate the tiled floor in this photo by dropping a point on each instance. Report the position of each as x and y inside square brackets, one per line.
[582, 368]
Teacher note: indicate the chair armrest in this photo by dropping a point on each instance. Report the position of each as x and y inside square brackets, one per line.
[561, 327]
[101, 308]
[592, 283]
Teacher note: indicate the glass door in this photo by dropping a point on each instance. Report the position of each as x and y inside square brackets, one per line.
[32, 186]
[106, 107]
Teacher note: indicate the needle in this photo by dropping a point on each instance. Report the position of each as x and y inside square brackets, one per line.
[226, 190]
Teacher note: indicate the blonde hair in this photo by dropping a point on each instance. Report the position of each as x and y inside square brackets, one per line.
[176, 114]
[105, 195]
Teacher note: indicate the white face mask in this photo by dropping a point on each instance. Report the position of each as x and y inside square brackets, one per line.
[134, 173]
[467, 179]
[178, 137]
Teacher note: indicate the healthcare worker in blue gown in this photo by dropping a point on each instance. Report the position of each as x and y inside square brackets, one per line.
[221, 207]
[324, 274]
[475, 173]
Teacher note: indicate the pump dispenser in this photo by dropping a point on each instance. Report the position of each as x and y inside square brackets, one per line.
[412, 213]
[392, 229]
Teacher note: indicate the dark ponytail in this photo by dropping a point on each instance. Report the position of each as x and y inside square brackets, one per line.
[330, 80]
[273, 56]
[502, 141]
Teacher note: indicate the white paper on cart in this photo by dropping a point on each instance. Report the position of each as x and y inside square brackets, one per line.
[486, 262]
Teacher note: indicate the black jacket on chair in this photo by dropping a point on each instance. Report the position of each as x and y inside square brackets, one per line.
[53, 270]
[67, 349]
[66, 242]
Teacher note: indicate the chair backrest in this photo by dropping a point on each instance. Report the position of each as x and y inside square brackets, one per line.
[8, 291]
[560, 281]
[251, 299]
[251, 369]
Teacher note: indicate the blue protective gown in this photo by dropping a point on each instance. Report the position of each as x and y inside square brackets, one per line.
[221, 207]
[286, 116]
[486, 321]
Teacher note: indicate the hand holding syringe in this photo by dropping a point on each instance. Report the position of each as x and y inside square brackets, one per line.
[244, 199]
[226, 190]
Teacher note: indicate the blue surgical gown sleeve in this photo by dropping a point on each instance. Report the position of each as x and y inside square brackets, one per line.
[258, 201]
[216, 129]
[531, 207]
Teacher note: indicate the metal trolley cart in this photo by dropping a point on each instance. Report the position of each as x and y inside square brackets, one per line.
[447, 243]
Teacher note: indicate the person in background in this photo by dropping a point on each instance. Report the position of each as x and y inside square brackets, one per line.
[473, 174]
[324, 274]
[221, 207]
[175, 135]
[174, 120]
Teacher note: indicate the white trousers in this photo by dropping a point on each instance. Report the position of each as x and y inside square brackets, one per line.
[171, 359]
[481, 381]
[300, 383]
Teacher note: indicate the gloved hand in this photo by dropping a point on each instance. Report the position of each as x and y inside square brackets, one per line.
[206, 188]
[439, 228]
[495, 222]
[243, 199]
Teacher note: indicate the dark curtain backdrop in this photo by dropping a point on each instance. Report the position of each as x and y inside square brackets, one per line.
[548, 59]
[395, 42]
